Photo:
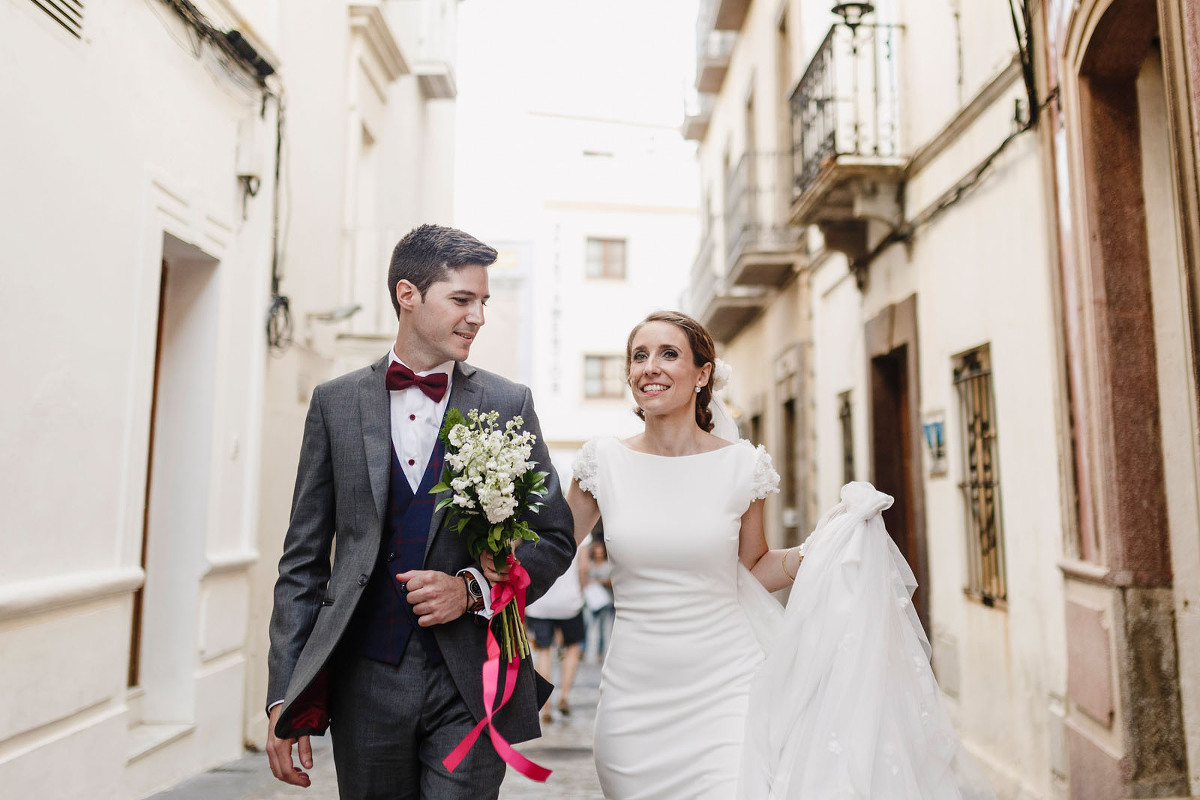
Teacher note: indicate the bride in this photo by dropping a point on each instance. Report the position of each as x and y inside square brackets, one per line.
[710, 689]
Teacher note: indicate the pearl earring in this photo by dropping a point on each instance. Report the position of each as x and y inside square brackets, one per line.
[697, 390]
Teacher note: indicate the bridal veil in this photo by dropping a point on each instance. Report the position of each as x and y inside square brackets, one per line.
[845, 704]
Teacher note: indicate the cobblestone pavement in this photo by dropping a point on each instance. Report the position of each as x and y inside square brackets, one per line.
[565, 747]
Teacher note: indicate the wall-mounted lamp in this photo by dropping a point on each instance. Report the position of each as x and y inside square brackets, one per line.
[852, 13]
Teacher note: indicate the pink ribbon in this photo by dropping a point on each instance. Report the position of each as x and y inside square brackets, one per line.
[502, 594]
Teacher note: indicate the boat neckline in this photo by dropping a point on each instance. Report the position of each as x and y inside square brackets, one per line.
[689, 455]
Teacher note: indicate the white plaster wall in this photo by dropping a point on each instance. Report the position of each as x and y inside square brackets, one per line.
[342, 224]
[113, 140]
[839, 365]
[982, 274]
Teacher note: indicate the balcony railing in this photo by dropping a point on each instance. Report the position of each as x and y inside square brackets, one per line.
[845, 114]
[704, 277]
[721, 308]
[761, 247]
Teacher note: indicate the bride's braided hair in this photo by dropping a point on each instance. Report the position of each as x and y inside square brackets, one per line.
[703, 352]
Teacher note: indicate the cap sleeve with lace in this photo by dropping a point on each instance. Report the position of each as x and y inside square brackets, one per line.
[585, 468]
[765, 479]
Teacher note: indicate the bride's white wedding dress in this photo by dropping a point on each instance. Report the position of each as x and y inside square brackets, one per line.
[711, 690]
[676, 678]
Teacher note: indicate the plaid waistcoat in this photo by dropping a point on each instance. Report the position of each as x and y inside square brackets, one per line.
[384, 620]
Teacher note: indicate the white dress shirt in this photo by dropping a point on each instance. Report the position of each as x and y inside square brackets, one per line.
[416, 420]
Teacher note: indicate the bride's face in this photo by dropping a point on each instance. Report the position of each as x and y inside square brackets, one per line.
[662, 372]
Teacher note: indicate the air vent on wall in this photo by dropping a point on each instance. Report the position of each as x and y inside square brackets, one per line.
[68, 13]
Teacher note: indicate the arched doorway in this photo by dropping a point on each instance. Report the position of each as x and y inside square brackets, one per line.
[1133, 396]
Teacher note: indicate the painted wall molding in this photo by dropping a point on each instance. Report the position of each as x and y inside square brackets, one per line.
[30, 598]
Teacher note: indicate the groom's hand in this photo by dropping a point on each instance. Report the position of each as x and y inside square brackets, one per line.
[279, 753]
[495, 573]
[435, 597]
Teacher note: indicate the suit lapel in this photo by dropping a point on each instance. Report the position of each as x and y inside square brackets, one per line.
[465, 394]
[375, 407]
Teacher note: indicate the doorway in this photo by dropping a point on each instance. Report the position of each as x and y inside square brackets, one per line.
[892, 407]
[175, 519]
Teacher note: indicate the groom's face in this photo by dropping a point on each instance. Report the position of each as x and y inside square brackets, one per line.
[445, 321]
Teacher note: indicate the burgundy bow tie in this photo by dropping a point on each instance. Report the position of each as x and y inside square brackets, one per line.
[401, 377]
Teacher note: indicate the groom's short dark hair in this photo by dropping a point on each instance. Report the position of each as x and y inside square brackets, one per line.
[428, 253]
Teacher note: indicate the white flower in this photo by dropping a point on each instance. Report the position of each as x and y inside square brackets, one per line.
[500, 508]
[721, 374]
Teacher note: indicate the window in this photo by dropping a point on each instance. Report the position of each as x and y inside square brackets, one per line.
[981, 480]
[603, 377]
[846, 417]
[606, 258]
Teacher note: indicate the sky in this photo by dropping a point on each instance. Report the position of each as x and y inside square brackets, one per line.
[630, 60]
[625, 58]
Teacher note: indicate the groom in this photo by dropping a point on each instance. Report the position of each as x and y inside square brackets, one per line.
[379, 624]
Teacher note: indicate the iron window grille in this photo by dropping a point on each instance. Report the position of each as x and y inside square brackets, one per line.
[67, 13]
[980, 485]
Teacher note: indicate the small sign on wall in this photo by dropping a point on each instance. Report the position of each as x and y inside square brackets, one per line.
[934, 428]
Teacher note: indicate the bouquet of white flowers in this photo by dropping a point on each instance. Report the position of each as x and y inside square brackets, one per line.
[493, 485]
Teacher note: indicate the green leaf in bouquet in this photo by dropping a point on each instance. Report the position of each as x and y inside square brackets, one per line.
[453, 417]
[441, 487]
[445, 501]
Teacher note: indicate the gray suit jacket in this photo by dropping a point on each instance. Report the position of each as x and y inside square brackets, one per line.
[341, 497]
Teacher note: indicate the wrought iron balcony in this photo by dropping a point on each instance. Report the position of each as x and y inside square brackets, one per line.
[721, 308]
[846, 124]
[697, 113]
[761, 247]
[713, 49]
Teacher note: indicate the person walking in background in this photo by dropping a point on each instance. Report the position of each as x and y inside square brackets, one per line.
[557, 619]
[596, 573]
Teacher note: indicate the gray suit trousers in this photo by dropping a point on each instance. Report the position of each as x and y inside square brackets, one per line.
[393, 725]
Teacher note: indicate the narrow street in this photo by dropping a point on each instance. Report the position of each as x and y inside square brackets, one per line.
[565, 748]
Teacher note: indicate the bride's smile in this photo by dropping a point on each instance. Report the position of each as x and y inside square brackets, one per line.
[662, 370]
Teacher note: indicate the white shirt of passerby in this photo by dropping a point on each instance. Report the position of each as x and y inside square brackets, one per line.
[563, 600]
